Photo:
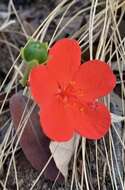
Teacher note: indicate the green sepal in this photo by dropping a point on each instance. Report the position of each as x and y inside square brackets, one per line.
[31, 64]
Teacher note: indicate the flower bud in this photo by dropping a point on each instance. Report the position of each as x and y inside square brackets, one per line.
[35, 51]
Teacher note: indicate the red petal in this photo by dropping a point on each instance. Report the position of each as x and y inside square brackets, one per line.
[41, 84]
[65, 58]
[93, 123]
[55, 122]
[95, 78]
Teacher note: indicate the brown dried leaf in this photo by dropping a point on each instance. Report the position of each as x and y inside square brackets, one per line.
[34, 143]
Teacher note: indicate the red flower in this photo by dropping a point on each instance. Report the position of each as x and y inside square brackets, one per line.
[67, 93]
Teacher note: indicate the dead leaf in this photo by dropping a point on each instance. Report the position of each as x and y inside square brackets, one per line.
[34, 143]
[116, 118]
[62, 153]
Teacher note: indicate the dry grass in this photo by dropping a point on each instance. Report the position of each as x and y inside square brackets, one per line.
[103, 25]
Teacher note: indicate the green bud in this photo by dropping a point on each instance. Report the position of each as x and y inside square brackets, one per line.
[35, 51]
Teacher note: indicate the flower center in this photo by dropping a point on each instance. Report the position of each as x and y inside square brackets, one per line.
[69, 94]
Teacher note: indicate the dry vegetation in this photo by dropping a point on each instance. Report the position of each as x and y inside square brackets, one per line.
[99, 28]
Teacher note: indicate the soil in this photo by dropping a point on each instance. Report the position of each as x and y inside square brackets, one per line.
[27, 175]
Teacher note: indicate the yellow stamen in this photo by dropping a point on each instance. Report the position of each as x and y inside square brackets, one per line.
[72, 82]
[81, 109]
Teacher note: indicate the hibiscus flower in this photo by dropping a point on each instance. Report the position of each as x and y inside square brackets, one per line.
[67, 93]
